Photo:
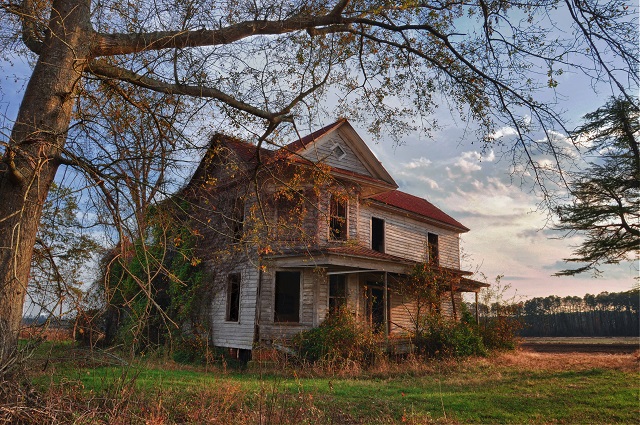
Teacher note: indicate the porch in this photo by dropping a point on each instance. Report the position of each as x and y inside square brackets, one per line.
[364, 281]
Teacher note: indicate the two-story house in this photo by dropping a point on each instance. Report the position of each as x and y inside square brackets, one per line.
[291, 234]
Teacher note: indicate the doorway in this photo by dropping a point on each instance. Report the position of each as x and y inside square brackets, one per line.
[375, 306]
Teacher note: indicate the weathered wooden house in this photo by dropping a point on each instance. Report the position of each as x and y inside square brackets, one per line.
[289, 235]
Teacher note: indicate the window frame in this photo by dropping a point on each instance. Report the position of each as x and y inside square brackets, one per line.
[338, 231]
[237, 219]
[293, 317]
[433, 248]
[233, 297]
[382, 243]
[337, 279]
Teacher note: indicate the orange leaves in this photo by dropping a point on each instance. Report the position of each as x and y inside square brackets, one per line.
[265, 250]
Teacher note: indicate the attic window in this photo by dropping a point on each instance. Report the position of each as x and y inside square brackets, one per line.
[338, 151]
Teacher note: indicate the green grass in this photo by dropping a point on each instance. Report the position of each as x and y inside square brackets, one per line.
[466, 392]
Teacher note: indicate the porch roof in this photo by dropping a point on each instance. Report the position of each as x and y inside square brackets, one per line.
[470, 285]
[346, 259]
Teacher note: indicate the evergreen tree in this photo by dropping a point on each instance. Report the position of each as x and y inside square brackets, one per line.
[606, 201]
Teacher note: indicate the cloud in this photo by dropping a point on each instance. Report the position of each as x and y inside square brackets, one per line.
[468, 162]
[430, 182]
[494, 198]
[502, 132]
[417, 163]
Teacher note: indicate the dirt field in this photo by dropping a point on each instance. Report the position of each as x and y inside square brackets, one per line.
[581, 345]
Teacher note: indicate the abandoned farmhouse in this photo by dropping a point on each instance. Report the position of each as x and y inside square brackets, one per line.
[291, 234]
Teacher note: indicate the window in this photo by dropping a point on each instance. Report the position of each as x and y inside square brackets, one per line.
[287, 301]
[377, 234]
[433, 251]
[338, 219]
[238, 219]
[337, 292]
[339, 152]
[233, 297]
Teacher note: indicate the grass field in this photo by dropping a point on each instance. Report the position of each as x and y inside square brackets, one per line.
[518, 388]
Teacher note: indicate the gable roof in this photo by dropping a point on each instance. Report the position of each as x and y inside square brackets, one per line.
[305, 145]
[419, 206]
[301, 144]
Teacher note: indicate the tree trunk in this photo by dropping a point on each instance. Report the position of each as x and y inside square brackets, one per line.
[30, 161]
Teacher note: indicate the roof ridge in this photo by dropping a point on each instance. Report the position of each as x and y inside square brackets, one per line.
[301, 143]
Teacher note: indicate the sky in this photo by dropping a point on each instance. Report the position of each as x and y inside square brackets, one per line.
[510, 235]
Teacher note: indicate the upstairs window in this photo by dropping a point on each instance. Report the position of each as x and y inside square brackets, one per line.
[238, 219]
[433, 250]
[337, 293]
[377, 234]
[338, 219]
[233, 297]
[287, 300]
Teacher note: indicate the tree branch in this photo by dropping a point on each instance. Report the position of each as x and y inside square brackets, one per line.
[102, 69]
[120, 43]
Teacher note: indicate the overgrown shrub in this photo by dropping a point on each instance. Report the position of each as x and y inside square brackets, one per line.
[443, 337]
[339, 339]
[500, 332]
[193, 350]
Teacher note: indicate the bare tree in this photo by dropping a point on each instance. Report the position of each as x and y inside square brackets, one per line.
[261, 64]
[61, 253]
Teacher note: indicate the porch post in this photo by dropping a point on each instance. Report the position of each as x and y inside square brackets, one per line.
[477, 317]
[386, 306]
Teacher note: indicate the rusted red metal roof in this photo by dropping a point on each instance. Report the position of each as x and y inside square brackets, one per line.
[416, 205]
[348, 250]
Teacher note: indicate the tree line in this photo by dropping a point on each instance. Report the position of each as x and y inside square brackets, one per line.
[605, 314]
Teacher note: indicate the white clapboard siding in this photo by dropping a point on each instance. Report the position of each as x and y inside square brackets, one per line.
[235, 334]
[447, 308]
[322, 297]
[407, 238]
[401, 315]
[322, 151]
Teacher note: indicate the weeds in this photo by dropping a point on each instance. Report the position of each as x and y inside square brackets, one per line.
[595, 388]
